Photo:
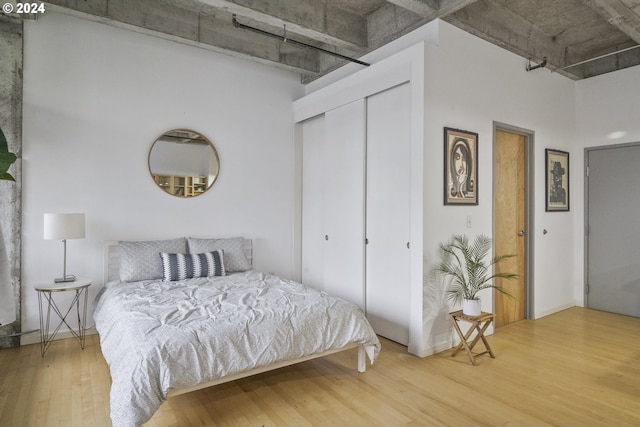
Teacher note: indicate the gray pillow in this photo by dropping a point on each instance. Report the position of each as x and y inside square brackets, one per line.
[141, 260]
[233, 251]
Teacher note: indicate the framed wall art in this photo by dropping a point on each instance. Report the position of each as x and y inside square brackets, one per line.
[460, 167]
[556, 180]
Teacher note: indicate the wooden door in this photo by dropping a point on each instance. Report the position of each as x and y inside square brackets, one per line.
[510, 228]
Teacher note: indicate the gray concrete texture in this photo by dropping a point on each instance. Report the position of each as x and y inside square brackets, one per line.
[10, 192]
[565, 32]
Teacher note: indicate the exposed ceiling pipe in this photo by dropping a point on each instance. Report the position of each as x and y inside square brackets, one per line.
[285, 39]
[535, 67]
[598, 57]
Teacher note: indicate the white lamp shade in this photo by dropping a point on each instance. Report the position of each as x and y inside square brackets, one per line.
[63, 226]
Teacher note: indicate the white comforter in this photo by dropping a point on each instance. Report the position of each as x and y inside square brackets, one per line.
[159, 335]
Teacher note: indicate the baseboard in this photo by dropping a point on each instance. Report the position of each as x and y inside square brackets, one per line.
[554, 310]
[424, 351]
[442, 341]
[34, 337]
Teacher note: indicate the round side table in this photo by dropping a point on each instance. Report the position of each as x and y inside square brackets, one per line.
[80, 288]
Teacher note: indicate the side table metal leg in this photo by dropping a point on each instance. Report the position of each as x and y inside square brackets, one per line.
[77, 299]
[45, 323]
[82, 331]
[46, 337]
[43, 332]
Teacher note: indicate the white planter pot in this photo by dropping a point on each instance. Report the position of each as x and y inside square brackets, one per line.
[471, 307]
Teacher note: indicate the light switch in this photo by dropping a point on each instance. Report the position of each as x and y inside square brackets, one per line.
[468, 221]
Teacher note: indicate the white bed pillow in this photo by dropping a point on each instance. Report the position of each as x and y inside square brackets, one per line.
[188, 266]
[140, 260]
[233, 249]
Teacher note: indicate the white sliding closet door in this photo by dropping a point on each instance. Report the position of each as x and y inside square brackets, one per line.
[333, 202]
[312, 202]
[344, 201]
[388, 203]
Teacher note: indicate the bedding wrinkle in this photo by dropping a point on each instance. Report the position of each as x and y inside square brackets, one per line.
[158, 335]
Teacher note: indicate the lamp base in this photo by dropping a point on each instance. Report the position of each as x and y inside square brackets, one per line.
[67, 278]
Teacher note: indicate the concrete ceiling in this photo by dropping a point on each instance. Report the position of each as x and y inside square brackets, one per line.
[565, 32]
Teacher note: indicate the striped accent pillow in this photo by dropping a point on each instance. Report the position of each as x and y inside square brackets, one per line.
[187, 266]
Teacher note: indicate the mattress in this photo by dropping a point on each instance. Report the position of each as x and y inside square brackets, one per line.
[157, 335]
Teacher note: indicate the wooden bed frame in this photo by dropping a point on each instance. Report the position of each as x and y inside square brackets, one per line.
[112, 273]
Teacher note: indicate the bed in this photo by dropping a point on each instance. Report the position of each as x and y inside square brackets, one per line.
[164, 332]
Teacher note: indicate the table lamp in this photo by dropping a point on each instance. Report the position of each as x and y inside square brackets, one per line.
[64, 226]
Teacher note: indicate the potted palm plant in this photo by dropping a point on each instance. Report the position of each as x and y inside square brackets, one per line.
[471, 269]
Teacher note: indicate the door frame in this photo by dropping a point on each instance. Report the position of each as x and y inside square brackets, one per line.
[529, 139]
[587, 151]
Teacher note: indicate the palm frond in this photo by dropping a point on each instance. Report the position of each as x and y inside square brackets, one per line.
[6, 158]
[469, 268]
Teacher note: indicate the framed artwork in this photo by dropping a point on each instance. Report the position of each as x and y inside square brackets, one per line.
[557, 180]
[460, 167]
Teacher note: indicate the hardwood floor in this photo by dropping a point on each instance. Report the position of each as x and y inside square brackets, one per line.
[574, 368]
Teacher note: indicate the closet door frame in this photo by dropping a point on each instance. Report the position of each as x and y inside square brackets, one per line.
[407, 66]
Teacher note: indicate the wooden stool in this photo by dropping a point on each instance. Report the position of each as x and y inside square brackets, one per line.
[478, 324]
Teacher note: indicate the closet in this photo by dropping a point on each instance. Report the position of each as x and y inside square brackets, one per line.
[356, 205]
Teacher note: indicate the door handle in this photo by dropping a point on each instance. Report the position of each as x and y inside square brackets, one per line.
[522, 233]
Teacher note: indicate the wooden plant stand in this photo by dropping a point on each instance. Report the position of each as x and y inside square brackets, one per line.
[479, 324]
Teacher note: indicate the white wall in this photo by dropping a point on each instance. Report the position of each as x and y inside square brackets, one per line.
[96, 98]
[607, 112]
[470, 84]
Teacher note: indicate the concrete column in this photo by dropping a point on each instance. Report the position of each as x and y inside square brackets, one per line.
[11, 192]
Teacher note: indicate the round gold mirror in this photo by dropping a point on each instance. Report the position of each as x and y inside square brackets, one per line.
[183, 163]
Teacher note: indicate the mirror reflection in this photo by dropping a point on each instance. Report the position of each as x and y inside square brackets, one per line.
[183, 163]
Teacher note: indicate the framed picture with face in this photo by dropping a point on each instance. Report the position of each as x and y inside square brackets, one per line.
[460, 167]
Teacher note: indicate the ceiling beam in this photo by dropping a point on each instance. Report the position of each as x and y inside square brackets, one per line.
[424, 8]
[502, 27]
[336, 26]
[447, 7]
[432, 9]
[308, 18]
[393, 20]
[620, 15]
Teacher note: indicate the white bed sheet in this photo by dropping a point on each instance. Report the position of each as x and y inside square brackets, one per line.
[159, 335]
